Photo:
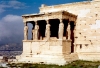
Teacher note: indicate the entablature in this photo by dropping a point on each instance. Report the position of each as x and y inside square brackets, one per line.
[51, 15]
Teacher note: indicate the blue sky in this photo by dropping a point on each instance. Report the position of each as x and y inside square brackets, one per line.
[20, 7]
[11, 24]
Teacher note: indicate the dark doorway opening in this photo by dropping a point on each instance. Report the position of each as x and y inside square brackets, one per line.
[42, 27]
[54, 27]
[65, 34]
[72, 35]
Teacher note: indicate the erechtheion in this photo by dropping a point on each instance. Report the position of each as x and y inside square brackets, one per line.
[63, 33]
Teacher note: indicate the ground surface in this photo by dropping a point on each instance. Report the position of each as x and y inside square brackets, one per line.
[75, 64]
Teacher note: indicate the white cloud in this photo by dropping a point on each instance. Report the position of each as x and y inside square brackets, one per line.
[11, 18]
[16, 4]
[11, 4]
[11, 25]
[3, 31]
[2, 7]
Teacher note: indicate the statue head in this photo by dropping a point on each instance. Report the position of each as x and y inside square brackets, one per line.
[25, 24]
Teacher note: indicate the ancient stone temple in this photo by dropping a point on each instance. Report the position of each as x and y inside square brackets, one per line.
[62, 33]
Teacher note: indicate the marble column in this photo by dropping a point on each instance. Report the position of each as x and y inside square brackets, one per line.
[36, 31]
[25, 31]
[47, 32]
[69, 31]
[61, 29]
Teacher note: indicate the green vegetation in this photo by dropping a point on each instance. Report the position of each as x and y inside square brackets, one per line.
[74, 64]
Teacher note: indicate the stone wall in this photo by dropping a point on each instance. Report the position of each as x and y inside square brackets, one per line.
[87, 35]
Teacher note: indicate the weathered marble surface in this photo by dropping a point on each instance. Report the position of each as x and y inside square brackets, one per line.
[86, 34]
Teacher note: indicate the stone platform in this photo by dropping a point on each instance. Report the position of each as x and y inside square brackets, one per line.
[49, 52]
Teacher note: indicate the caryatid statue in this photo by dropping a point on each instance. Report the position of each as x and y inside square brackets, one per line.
[47, 32]
[61, 30]
[36, 34]
[69, 31]
[25, 32]
[33, 34]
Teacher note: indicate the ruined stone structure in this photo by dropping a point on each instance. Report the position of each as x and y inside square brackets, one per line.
[63, 33]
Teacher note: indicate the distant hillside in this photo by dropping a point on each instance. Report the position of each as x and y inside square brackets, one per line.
[11, 47]
[11, 39]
